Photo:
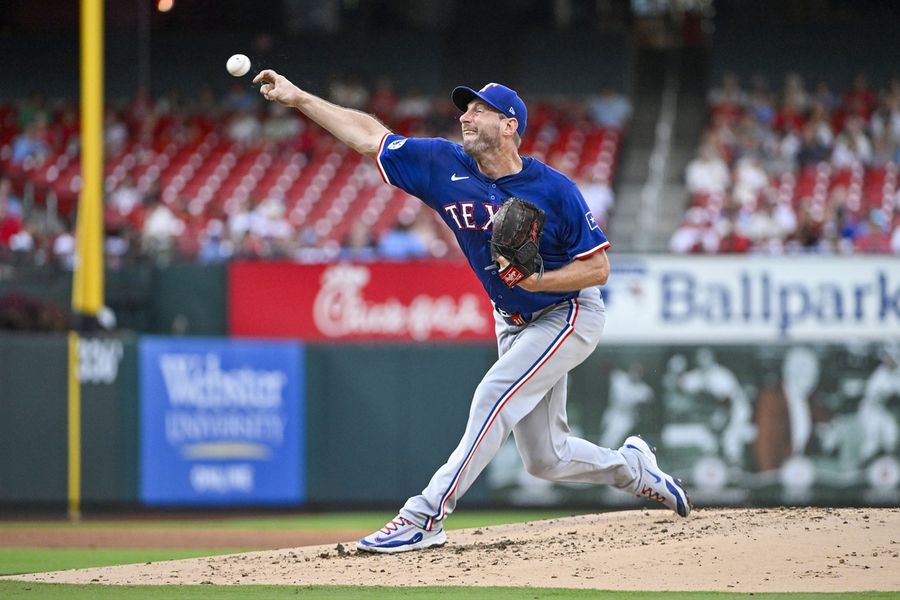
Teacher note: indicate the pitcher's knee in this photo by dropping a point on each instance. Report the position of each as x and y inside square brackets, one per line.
[542, 468]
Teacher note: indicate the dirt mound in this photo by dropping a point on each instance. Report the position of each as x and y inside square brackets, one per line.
[786, 550]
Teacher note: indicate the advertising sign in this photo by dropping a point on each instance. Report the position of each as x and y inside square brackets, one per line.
[752, 299]
[649, 299]
[419, 301]
[221, 422]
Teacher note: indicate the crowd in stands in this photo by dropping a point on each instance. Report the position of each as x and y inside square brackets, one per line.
[213, 177]
[806, 168]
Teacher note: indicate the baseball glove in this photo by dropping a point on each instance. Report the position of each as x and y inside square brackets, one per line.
[516, 236]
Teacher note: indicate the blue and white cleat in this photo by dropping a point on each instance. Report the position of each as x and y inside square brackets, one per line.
[401, 535]
[652, 482]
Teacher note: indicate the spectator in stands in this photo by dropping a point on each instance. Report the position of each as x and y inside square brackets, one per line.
[240, 218]
[610, 109]
[809, 233]
[820, 120]
[65, 135]
[10, 223]
[358, 243]
[215, 247]
[759, 102]
[750, 179]
[825, 97]
[245, 127]
[34, 108]
[14, 203]
[873, 235]
[115, 134]
[728, 99]
[852, 145]
[795, 94]
[708, 173]
[812, 150]
[30, 144]
[895, 236]
[351, 91]
[240, 97]
[764, 229]
[413, 106]
[695, 234]
[126, 197]
[161, 228]
[885, 123]
[861, 99]
[281, 124]
[789, 117]
[64, 249]
[401, 242]
[425, 225]
[384, 99]
[272, 228]
[750, 137]
[598, 195]
[731, 237]
[841, 223]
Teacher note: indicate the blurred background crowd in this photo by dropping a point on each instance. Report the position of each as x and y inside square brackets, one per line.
[209, 178]
[780, 155]
[794, 167]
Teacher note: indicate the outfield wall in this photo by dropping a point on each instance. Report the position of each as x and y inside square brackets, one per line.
[228, 422]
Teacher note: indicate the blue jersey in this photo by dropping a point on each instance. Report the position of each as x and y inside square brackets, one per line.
[447, 179]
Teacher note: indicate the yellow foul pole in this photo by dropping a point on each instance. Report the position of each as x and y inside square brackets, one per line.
[87, 279]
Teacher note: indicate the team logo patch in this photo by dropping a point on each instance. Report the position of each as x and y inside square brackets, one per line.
[592, 222]
[396, 144]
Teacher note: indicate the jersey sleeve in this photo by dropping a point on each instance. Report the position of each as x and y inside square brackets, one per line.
[582, 233]
[405, 162]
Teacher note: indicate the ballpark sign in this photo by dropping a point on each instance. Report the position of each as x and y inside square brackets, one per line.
[420, 301]
[221, 422]
[752, 299]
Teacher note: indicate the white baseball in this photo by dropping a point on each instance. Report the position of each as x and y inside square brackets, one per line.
[238, 65]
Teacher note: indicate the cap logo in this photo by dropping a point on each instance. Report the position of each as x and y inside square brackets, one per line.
[488, 86]
[512, 111]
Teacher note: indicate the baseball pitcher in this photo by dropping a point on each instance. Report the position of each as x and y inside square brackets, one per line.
[533, 243]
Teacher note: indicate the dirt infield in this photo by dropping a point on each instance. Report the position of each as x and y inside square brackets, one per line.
[806, 549]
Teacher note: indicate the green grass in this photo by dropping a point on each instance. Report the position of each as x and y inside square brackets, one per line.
[310, 522]
[35, 560]
[15, 590]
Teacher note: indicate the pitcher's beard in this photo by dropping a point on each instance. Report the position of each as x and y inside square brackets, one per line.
[480, 145]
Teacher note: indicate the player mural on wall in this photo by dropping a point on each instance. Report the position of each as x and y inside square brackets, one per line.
[547, 322]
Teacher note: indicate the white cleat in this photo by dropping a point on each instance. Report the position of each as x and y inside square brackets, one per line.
[653, 482]
[401, 535]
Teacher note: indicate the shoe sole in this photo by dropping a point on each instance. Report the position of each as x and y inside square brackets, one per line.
[674, 485]
[433, 542]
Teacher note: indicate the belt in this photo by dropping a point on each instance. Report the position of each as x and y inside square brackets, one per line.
[517, 319]
[522, 319]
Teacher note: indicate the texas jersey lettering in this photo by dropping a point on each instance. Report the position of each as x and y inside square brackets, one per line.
[449, 182]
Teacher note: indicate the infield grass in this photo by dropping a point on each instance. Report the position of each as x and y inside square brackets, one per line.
[14, 561]
[307, 521]
[18, 590]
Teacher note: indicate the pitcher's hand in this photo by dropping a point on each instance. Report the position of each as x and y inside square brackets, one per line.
[277, 88]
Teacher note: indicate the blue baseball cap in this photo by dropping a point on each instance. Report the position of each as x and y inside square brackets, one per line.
[499, 96]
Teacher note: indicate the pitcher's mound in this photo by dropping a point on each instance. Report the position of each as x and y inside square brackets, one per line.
[764, 550]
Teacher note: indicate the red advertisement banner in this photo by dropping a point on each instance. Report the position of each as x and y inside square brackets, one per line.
[420, 301]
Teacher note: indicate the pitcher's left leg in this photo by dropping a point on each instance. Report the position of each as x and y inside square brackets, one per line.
[541, 354]
[549, 451]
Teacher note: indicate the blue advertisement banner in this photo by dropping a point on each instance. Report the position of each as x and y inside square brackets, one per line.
[221, 422]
